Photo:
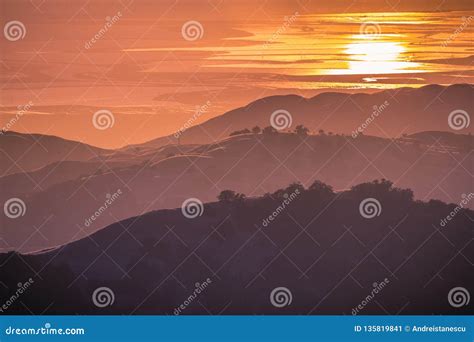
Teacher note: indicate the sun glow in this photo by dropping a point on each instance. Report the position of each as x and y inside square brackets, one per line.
[376, 57]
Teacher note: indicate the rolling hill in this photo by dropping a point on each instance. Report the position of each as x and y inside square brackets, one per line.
[324, 252]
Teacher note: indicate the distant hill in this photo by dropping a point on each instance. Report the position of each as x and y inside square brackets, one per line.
[435, 165]
[405, 110]
[27, 152]
[327, 250]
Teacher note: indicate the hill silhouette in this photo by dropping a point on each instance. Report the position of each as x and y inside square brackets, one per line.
[324, 247]
[435, 165]
[21, 152]
[405, 110]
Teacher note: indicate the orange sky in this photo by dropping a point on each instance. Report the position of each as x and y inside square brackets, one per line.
[136, 59]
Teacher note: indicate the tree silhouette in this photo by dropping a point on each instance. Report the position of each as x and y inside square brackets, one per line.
[230, 196]
[243, 131]
[256, 130]
[301, 130]
[269, 130]
[322, 188]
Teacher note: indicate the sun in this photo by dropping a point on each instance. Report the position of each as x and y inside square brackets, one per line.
[377, 58]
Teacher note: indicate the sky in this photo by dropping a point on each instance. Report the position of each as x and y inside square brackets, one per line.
[153, 64]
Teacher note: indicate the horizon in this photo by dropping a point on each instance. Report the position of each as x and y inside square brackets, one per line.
[288, 130]
[15, 118]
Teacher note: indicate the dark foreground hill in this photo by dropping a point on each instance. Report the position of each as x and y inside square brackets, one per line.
[295, 251]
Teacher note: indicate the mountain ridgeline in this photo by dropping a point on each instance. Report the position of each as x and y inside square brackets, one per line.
[60, 198]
